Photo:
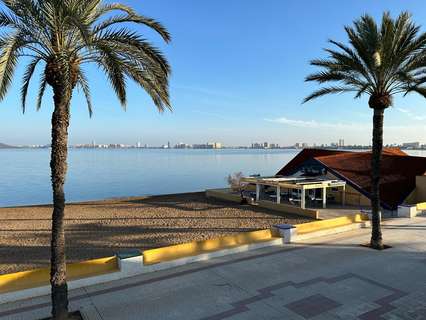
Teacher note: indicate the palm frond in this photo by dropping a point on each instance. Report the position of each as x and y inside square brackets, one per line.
[84, 84]
[326, 76]
[41, 90]
[328, 90]
[130, 43]
[8, 60]
[155, 85]
[112, 66]
[134, 18]
[362, 90]
[8, 20]
[109, 7]
[379, 59]
[64, 34]
[29, 71]
[417, 89]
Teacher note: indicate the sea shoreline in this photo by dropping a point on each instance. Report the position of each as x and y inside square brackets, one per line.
[103, 200]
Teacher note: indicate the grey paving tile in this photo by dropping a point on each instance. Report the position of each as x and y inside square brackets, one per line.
[312, 306]
[351, 282]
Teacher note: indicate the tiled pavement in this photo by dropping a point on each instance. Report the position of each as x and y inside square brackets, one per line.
[326, 278]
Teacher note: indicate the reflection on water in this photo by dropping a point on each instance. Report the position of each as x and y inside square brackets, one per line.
[99, 174]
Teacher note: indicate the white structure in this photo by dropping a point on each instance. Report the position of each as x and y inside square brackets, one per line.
[296, 187]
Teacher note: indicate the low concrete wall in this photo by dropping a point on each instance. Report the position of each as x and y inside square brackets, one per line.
[311, 213]
[407, 211]
[194, 248]
[40, 277]
[225, 194]
[329, 223]
[411, 210]
[421, 206]
[329, 231]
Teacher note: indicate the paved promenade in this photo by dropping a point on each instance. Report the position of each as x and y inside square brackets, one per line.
[325, 278]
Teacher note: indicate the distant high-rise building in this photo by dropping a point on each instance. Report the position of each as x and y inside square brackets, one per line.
[262, 145]
[182, 145]
[256, 145]
[208, 145]
[341, 143]
[411, 145]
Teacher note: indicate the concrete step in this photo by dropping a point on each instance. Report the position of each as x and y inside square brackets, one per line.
[331, 230]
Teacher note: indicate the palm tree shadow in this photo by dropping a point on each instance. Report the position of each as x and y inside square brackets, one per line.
[92, 233]
[96, 240]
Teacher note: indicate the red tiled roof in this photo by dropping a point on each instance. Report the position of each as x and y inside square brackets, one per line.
[398, 170]
[304, 155]
[394, 151]
[398, 173]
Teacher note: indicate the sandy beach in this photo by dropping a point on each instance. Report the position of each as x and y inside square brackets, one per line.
[103, 228]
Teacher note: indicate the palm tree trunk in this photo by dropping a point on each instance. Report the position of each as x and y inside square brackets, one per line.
[58, 166]
[376, 234]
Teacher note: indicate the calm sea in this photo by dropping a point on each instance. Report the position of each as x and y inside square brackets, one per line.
[100, 174]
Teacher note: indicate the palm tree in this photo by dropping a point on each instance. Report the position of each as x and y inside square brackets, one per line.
[380, 62]
[64, 36]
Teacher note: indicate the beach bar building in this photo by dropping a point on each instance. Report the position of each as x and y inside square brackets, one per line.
[403, 177]
[297, 189]
[323, 182]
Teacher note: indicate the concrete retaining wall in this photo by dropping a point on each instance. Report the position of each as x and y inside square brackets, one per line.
[330, 223]
[225, 194]
[280, 207]
[194, 248]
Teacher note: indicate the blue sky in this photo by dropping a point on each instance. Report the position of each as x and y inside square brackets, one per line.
[238, 70]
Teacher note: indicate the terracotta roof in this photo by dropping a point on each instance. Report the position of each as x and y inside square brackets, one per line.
[398, 171]
[304, 155]
[398, 174]
[394, 151]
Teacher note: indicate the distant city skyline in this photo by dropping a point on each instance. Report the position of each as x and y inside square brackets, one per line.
[340, 144]
[238, 81]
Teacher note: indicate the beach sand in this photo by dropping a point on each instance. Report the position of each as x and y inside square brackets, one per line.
[103, 228]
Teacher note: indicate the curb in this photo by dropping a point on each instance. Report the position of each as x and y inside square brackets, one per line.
[320, 228]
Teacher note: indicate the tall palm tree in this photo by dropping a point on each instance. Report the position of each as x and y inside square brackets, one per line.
[64, 36]
[380, 62]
